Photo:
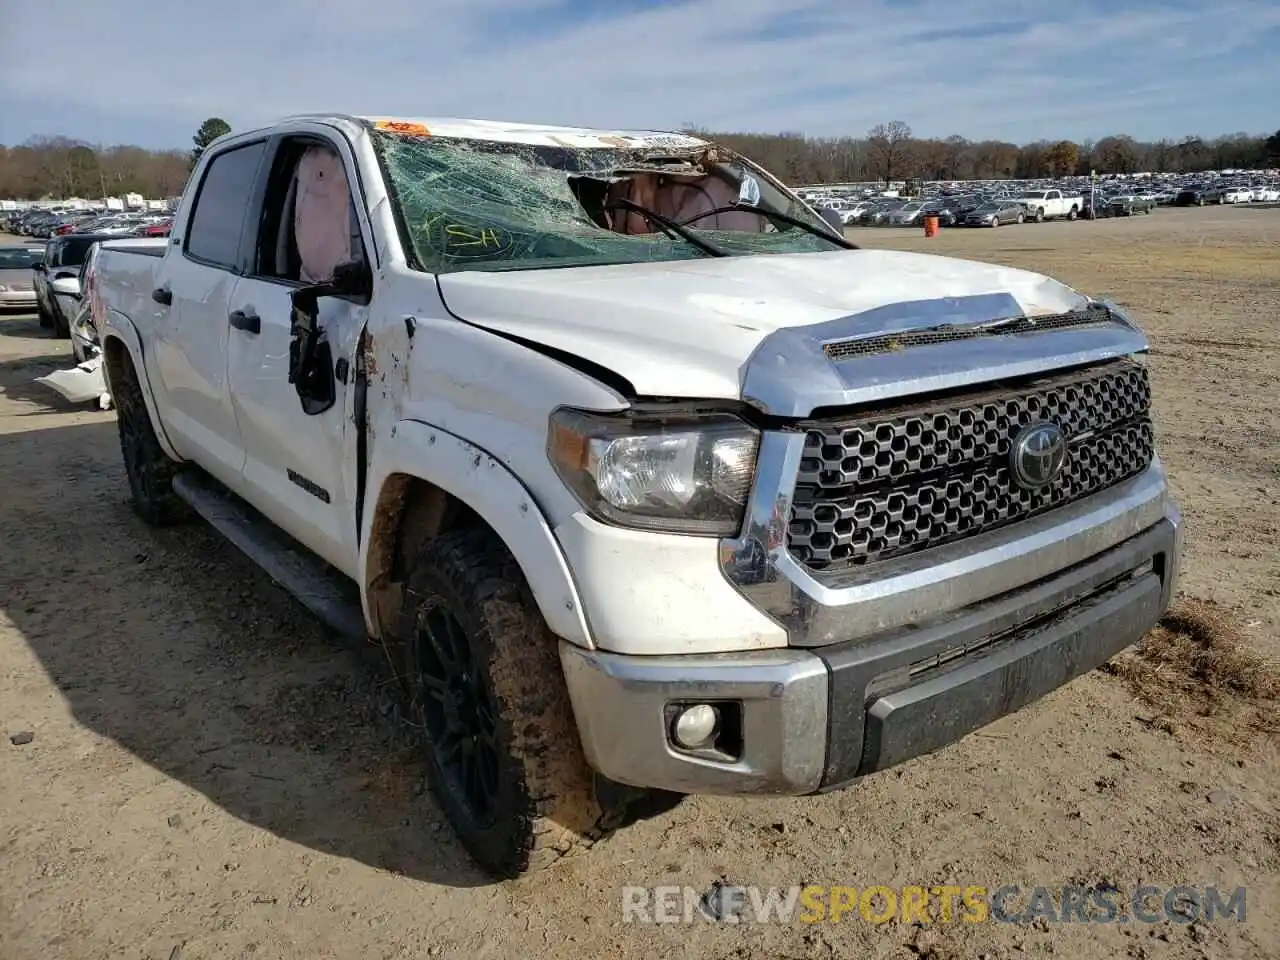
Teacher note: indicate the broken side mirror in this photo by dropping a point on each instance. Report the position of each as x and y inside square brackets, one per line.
[310, 358]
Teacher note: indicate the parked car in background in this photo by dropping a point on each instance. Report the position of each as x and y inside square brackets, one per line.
[63, 257]
[1044, 205]
[907, 214]
[1266, 193]
[996, 214]
[1198, 196]
[1128, 205]
[944, 210]
[1096, 206]
[17, 292]
[1237, 195]
[883, 210]
[160, 228]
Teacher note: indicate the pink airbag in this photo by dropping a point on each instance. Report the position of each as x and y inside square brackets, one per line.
[322, 218]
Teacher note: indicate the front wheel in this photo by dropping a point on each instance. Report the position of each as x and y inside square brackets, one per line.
[1021, 219]
[61, 329]
[42, 311]
[486, 688]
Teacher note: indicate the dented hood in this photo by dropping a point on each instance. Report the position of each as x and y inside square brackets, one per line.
[688, 328]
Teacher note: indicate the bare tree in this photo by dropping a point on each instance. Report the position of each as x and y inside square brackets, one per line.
[888, 147]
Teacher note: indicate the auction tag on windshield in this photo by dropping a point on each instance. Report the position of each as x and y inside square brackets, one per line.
[402, 126]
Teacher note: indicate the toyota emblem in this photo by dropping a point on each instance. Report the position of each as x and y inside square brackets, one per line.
[1038, 454]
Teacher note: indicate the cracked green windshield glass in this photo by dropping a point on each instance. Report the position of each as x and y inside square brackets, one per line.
[484, 205]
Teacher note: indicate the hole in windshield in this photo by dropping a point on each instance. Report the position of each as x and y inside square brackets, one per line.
[486, 205]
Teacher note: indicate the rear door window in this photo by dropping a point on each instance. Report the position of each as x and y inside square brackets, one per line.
[213, 235]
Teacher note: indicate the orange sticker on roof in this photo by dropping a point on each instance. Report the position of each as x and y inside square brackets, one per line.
[402, 126]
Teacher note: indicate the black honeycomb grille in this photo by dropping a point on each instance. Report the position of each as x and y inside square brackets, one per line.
[897, 481]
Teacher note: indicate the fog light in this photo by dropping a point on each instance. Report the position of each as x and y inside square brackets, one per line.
[695, 725]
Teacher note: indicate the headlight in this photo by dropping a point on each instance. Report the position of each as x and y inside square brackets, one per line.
[688, 475]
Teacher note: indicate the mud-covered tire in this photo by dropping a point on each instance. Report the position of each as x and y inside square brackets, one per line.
[148, 467]
[542, 803]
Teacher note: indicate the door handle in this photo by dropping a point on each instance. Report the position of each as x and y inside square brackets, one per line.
[246, 321]
[162, 296]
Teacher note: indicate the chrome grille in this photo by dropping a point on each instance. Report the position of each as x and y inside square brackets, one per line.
[891, 482]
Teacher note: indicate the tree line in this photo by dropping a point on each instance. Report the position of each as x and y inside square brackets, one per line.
[889, 151]
[58, 167]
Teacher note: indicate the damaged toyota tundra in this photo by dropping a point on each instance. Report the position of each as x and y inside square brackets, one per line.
[646, 481]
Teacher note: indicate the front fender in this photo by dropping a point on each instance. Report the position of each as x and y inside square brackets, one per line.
[465, 471]
[116, 326]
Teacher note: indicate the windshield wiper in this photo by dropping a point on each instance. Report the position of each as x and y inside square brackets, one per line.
[779, 217]
[669, 227]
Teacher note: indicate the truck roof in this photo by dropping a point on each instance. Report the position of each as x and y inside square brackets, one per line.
[511, 132]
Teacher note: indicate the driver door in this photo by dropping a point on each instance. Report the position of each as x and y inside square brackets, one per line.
[300, 467]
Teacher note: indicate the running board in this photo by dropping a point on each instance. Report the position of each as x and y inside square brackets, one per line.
[328, 594]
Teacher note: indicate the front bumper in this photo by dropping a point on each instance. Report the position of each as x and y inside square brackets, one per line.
[813, 719]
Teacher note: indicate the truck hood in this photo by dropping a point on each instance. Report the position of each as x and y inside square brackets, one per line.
[687, 328]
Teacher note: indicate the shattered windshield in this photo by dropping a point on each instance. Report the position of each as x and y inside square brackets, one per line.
[487, 205]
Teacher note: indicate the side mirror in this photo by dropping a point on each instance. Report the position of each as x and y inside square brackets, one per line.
[67, 287]
[833, 219]
[38, 266]
[310, 359]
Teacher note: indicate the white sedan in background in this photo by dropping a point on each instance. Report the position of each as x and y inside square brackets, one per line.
[1267, 194]
[1237, 195]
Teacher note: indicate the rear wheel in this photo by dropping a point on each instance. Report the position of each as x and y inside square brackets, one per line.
[148, 467]
[486, 689]
[1021, 218]
[1071, 214]
[1039, 215]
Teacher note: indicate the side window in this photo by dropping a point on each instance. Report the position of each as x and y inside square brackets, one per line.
[213, 233]
[309, 224]
[1055, 194]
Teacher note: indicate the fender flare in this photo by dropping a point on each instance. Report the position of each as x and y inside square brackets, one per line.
[425, 452]
[119, 327]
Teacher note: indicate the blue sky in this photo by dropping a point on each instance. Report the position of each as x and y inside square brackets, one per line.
[981, 68]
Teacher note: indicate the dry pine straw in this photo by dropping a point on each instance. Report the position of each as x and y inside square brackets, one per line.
[1195, 667]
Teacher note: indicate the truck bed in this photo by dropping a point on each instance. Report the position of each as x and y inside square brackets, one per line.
[125, 274]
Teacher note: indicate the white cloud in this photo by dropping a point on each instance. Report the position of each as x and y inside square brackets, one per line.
[1144, 67]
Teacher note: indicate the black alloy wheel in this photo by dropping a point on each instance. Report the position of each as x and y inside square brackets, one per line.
[458, 712]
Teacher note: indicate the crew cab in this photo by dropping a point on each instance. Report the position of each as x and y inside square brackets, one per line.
[647, 480]
[1044, 205]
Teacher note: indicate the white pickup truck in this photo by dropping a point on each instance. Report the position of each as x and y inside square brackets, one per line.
[650, 483]
[1045, 205]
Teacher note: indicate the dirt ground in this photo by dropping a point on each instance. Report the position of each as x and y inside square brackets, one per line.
[211, 776]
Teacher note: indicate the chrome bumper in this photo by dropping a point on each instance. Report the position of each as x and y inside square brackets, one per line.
[811, 720]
